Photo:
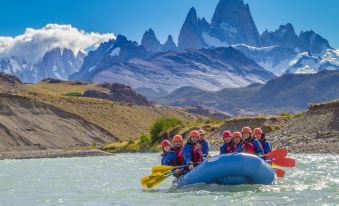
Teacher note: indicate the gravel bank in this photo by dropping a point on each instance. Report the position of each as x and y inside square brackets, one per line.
[51, 154]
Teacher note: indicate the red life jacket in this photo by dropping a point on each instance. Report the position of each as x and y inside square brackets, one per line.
[229, 148]
[179, 160]
[196, 153]
[249, 147]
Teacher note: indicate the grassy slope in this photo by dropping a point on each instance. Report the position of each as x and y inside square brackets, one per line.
[125, 121]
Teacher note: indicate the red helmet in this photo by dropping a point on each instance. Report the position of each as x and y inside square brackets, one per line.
[194, 134]
[237, 134]
[177, 138]
[165, 143]
[226, 134]
[257, 131]
[246, 130]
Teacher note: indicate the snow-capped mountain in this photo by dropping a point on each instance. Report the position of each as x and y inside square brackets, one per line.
[108, 53]
[51, 51]
[232, 24]
[307, 63]
[22, 69]
[280, 60]
[57, 63]
[210, 69]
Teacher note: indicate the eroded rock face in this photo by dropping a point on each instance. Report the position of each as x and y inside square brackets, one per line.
[30, 124]
[284, 36]
[118, 92]
[232, 23]
[150, 42]
[6, 78]
[313, 42]
[169, 45]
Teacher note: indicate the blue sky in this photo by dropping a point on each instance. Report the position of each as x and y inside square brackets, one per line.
[133, 17]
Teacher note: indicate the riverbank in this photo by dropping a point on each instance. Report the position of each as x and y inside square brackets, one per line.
[52, 154]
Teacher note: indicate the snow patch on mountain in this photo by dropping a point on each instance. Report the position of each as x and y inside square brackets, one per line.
[115, 52]
[212, 41]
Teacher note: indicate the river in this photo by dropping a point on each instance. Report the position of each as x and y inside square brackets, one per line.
[114, 180]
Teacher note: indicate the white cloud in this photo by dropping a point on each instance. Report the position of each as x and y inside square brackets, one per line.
[34, 43]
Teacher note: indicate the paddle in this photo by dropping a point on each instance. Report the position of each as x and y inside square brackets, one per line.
[161, 169]
[279, 172]
[279, 153]
[284, 162]
[147, 179]
[154, 180]
[157, 181]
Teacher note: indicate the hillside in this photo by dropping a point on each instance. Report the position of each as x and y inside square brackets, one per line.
[287, 93]
[46, 115]
[315, 131]
[27, 124]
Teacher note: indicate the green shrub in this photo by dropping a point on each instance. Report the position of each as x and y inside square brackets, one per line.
[162, 125]
[145, 141]
[73, 94]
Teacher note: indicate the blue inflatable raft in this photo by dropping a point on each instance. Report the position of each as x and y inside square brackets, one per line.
[230, 169]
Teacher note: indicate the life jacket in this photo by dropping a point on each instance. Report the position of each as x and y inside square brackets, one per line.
[204, 147]
[262, 142]
[267, 147]
[236, 148]
[228, 148]
[179, 160]
[249, 147]
[196, 153]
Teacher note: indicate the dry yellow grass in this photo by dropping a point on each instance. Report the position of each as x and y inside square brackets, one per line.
[125, 121]
[59, 88]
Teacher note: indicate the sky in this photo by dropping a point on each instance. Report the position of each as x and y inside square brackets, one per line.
[132, 17]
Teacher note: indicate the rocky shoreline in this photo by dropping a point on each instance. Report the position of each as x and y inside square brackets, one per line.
[51, 154]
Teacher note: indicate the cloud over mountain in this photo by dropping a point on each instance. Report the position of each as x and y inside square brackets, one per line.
[34, 43]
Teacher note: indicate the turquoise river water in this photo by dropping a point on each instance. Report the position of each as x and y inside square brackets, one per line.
[114, 180]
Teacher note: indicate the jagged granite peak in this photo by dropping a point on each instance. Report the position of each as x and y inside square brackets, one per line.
[190, 36]
[169, 45]
[59, 63]
[284, 36]
[232, 23]
[150, 42]
[113, 51]
[313, 42]
[204, 25]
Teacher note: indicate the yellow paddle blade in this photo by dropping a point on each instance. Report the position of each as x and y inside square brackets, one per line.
[146, 179]
[162, 168]
[156, 181]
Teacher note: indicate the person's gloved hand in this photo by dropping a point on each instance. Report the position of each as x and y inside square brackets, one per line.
[178, 171]
[190, 166]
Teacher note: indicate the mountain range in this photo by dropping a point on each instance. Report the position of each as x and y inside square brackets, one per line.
[287, 93]
[227, 52]
[56, 63]
[154, 68]
[211, 69]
